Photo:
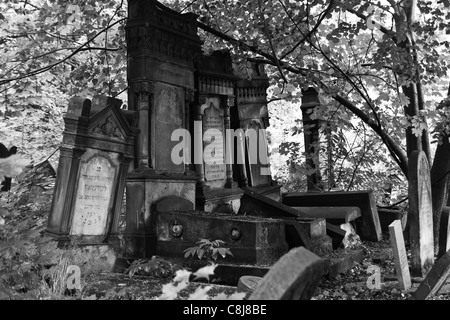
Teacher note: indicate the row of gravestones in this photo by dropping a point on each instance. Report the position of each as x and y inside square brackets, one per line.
[173, 86]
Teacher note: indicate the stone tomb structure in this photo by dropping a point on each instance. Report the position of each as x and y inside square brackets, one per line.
[216, 190]
[97, 149]
[162, 47]
[251, 113]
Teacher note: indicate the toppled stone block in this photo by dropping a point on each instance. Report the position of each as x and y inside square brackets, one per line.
[294, 277]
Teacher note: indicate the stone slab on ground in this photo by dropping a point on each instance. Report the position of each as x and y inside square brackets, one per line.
[294, 277]
[335, 215]
[435, 278]
[367, 226]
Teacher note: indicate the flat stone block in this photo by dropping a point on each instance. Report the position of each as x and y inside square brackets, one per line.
[368, 226]
[255, 240]
[294, 277]
[335, 215]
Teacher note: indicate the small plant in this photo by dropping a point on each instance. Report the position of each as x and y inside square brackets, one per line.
[210, 250]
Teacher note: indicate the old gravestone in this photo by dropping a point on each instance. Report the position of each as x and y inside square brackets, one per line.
[216, 189]
[162, 46]
[401, 260]
[97, 149]
[294, 277]
[251, 116]
[420, 214]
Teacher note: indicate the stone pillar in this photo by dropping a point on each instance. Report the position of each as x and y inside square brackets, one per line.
[198, 142]
[228, 151]
[144, 91]
[190, 98]
[310, 100]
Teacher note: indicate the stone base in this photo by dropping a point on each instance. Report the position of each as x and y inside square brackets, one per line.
[227, 200]
[252, 240]
[147, 193]
[138, 246]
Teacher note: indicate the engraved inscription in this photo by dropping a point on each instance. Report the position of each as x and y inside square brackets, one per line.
[214, 157]
[93, 197]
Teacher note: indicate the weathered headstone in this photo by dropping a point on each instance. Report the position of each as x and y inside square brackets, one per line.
[435, 278]
[97, 149]
[401, 260]
[294, 277]
[251, 115]
[420, 214]
[216, 189]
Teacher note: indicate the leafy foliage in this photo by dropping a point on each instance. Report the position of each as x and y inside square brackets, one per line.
[171, 291]
[210, 250]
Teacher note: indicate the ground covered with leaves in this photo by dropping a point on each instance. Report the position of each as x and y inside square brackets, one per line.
[32, 267]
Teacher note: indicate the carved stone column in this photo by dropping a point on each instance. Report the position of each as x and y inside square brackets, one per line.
[190, 97]
[198, 141]
[228, 147]
[144, 91]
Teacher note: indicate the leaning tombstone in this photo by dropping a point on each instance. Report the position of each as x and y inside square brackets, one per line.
[435, 279]
[444, 232]
[251, 118]
[216, 189]
[420, 214]
[401, 260]
[294, 277]
[97, 149]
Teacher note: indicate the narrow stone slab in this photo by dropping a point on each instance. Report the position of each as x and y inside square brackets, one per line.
[420, 214]
[444, 232]
[294, 277]
[336, 234]
[435, 278]
[340, 214]
[401, 260]
[368, 226]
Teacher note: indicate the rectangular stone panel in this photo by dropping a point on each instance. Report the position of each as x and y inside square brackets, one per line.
[214, 140]
[96, 187]
[169, 108]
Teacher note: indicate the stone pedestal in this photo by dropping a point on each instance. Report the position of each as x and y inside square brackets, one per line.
[310, 100]
[162, 48]
[252, 240]
[95, 155]
[251, 117]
